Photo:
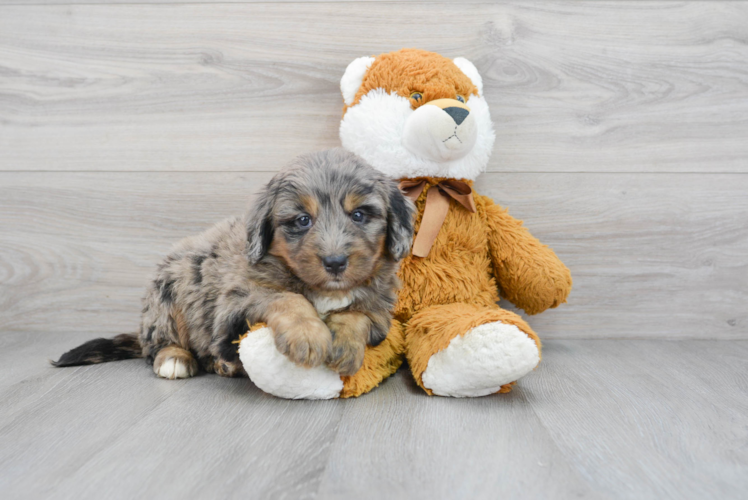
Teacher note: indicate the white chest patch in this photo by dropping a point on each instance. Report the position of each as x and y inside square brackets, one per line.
[326, 304]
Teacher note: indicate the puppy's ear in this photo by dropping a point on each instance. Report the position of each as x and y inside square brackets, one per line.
[260, 226]
[399, 222]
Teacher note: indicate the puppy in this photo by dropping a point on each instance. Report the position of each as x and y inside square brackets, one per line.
[315, 258]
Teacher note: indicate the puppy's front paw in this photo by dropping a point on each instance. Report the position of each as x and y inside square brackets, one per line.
[306, 341]
[346, 356]
[350, 330]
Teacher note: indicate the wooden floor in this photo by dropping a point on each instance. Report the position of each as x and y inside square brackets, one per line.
[634, 419]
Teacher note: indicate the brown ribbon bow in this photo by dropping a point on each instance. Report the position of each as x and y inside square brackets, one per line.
[437, 206]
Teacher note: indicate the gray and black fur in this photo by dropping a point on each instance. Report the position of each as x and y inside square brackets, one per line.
[328, 229]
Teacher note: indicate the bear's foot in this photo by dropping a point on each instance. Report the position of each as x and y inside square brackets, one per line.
[275, 374]
[481, 361]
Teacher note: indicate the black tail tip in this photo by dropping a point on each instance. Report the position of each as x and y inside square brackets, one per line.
[70, 358]
[125, 346]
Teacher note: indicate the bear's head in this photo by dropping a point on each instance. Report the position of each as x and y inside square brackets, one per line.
[414, 113]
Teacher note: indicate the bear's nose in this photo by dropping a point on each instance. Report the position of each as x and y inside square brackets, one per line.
[457, 114]
[335, 264]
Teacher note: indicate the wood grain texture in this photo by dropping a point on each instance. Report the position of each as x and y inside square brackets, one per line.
[257, 444]
[643, 419]
[400, 444]
[207, 441]
[58, 230]
[656, 255]
[624, 419]
[573, 86]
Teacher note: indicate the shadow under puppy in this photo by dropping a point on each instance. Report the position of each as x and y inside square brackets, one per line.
[315, 258]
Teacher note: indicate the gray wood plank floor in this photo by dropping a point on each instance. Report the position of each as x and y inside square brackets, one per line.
[632, 419]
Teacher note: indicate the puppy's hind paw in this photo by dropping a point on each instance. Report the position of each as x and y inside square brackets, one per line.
[174, 362]
[228, 369]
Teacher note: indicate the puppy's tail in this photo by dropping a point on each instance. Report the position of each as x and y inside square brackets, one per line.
[125, 346]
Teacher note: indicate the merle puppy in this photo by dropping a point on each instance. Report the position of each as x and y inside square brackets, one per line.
[315, 259]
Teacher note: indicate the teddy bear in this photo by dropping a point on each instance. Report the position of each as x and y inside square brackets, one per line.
[422, 118]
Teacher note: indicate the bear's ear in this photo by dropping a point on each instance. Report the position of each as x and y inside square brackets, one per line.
[469, 69]
[352, 78]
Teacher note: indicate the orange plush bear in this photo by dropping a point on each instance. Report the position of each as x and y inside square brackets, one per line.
[422, 118]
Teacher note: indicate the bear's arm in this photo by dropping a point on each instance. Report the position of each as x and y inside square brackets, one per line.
[529, 274]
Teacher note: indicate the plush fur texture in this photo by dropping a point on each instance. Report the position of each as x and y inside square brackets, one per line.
[467, 367]
[351, 81]
[328, 231]
[437, 302]
[491, 248]
[374, 125]
[276, 375]
[458, 341]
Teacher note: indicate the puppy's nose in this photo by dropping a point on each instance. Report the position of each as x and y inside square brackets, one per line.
[335, 264]
[457, 114]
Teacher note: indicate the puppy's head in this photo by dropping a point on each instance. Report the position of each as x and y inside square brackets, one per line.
[331, 218]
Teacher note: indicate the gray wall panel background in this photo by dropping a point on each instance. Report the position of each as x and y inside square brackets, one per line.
[622, 142]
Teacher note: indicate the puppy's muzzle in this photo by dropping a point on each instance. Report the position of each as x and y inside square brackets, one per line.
[335, 264]
[441, 130]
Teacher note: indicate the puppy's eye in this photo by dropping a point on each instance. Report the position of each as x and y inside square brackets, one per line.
[358, 216]
[460, 98]
[304, 221]
[416, 96]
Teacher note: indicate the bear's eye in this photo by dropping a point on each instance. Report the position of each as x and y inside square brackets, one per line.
[460, 98]
[416, 96]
